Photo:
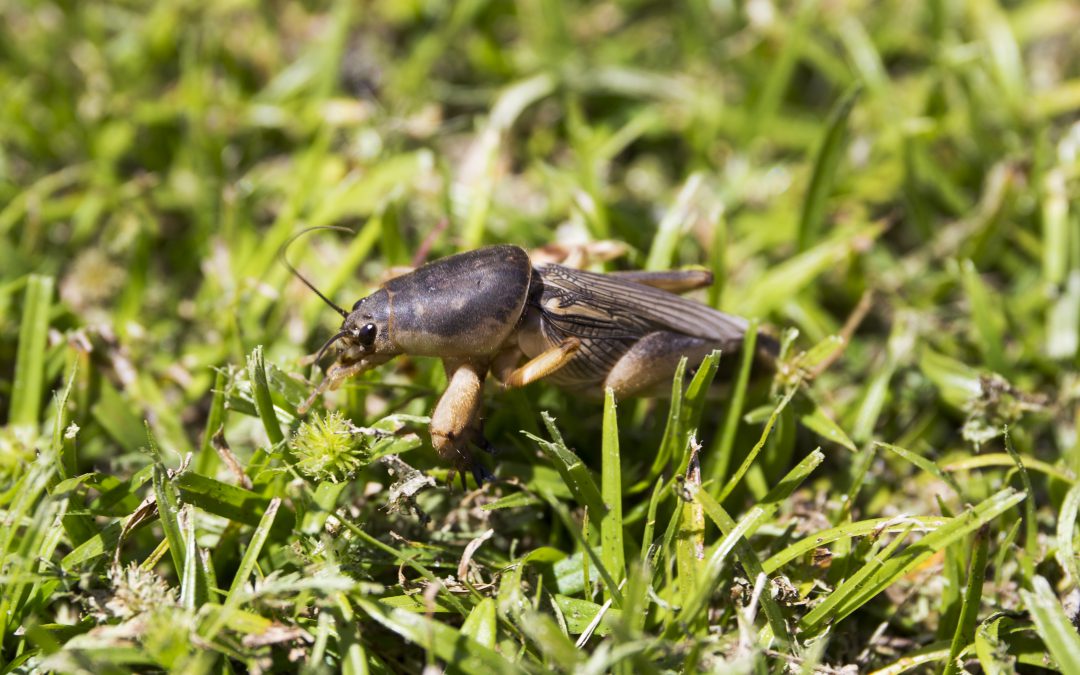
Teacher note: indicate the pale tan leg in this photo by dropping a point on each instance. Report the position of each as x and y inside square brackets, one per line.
[544, 364]
[648, 367]
[453, 424]
[506, 362]
[672, 281]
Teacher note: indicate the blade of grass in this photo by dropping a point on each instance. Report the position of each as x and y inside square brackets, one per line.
[852, 596]
[749, 560]
[1053, 626]
[1066, 527]
[923, 463]
[193, 583]
[570, 467]
[29, 384]
[443, 641]
[677, 218]
[243, 573]
[260, 392]
[690, 544]
[650, 523]
[725, 441]
[694, 401]
[733, 482]
[168, 512]
[671, 441]
[611, 524]
[965, 627]
[826, 162]
[988, 319]
[992, 459]
[207, 460]
[710, 576]
[1031, 525]
[601, 569]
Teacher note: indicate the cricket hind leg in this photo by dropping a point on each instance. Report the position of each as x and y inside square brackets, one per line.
[672, 281]
[647, 368]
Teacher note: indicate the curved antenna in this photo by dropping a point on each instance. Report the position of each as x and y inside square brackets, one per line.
[285, 261]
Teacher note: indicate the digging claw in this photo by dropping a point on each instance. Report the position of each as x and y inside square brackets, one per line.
[485, 445]
[480, 474]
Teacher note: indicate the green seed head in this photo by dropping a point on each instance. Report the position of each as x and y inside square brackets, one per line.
[328, 448]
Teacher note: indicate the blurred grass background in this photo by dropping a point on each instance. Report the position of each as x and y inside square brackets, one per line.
[153, 158]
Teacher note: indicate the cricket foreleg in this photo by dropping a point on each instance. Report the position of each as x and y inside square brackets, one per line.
[338, 373]
[455, 422]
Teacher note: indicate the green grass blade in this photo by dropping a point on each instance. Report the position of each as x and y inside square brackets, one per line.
[611, 523]
[827, 161]
[194, 586]
[247, 565]
[442, 641]
[672, 441]
[690, 546]
[1066, 529]
[733, 482]
[1053, 626]
[851, 597]
[748, 558]
[260, 392]
[695, 399]
[169, 512]
[601, 569]
[570, 467]
[480, 625]
[923, 463]
[29, 384]
[207, 460]
[965, 627]
[251, 555]
[228, 501]
[724, 446]
[783, 490]
[650, 522]
[677, 218]
[988, 319]
[710, 575]
[1031, 526]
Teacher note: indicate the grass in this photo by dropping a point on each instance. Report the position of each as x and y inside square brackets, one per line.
[901, 495]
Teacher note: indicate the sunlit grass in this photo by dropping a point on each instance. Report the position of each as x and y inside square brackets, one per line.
[912, 165]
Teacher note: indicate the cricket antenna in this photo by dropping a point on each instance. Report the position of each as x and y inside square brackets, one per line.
[285, 261]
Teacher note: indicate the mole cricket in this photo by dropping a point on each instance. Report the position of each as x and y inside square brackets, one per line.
[491, 310]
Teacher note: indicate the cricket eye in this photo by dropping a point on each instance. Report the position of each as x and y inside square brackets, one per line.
[358, 303]
[366, 334]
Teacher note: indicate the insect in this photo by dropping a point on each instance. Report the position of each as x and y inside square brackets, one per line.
[491, 310]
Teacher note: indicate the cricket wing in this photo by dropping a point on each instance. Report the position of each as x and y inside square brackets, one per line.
[590, 305]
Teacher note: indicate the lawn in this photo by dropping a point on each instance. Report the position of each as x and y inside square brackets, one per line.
[890, 189]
